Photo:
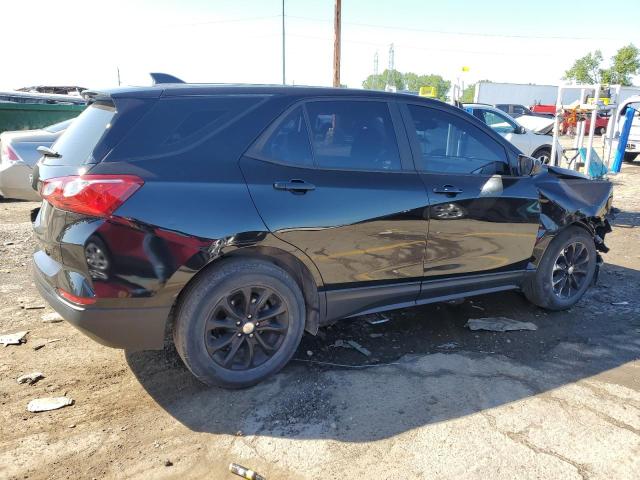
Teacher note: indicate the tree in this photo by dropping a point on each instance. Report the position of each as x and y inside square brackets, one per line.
[625, 64]
[414, 82]
[469, 93]
[586, 69]
[379, 82]
[410, 81]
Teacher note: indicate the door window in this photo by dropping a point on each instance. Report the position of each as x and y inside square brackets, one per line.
[498, 122]
[289, 142]
[450, 144]
[354, 135]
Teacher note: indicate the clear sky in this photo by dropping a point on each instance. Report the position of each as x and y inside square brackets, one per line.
[83, 42]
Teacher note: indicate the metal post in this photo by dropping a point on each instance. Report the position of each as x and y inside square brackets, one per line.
[337, 20]
[283, 49]
[556, 129]
[592, 129]
[578, 140]
[118, 75]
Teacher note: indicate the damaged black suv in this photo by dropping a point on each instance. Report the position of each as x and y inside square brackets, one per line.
[234, 218]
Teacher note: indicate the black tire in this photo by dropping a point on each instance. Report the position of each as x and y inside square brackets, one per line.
[601, 131]
[541, 288]
[544, 155]
[629, 157]
[211, 310]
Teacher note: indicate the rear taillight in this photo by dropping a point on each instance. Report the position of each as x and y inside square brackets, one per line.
[94, 195]
[8, 154]
[76, 299]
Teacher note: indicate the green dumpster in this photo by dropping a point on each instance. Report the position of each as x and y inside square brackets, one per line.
[27, 116]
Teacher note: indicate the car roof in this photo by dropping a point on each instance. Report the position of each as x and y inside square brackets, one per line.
[191, 89]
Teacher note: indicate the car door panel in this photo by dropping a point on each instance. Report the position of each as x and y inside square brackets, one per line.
[480, 222]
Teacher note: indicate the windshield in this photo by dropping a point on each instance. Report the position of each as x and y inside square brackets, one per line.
[78, 141]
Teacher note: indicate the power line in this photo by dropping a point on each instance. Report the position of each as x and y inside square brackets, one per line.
[446, 32]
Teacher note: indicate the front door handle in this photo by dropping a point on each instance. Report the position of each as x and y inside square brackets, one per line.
[295, 186]
[447, 189]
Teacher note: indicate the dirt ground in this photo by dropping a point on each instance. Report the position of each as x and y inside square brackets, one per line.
[434, 400]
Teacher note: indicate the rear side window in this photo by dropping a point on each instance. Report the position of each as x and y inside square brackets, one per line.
[77, 143]
[289, 142]
[450, 144]
[174, 125]
[354, 135]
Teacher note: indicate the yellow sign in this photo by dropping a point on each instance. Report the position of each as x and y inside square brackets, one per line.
[465, 69]
[427, 91]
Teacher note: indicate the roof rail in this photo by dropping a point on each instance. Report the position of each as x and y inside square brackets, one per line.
[159, 78]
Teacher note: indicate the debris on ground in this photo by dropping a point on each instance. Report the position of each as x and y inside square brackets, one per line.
[478, 307]
[449, 345]
[619, 303]
[41, 343]
[49, 403]
[14, 338]
[168, 463]
[352, 344]
[244, 472]
[30, 378]
[53, 317]
[35, 306]
[376, 319]
[376, 335]
[498, 324]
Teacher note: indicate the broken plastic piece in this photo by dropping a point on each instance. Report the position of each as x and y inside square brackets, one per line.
[498, 324]
[47, 404]
[244, 472]
[14, 338]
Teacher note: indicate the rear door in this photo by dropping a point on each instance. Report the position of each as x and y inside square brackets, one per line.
[334, 177]
[483, 218]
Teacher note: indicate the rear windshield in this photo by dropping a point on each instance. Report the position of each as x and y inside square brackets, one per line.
[77, 143]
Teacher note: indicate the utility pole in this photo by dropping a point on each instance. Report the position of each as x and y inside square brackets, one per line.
[336, 43]
[283, 49]
[390, 71]
[375, 64]
[118, 75]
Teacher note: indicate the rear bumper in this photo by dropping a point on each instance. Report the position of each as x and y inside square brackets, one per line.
[127, 328]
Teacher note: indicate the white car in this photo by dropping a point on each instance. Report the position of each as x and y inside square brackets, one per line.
[632, 149]
[536, 145]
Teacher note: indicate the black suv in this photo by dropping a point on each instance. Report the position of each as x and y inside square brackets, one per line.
[236, 217]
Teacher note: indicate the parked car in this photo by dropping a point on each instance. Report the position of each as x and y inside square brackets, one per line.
[18, 155]
[235, 218]
[532, 144]
[516, 110]
[632, 149]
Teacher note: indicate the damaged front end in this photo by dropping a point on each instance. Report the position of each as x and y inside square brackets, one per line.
[570, 198]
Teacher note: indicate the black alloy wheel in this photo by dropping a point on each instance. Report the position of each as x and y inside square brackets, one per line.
[570, 270]
[246, 327]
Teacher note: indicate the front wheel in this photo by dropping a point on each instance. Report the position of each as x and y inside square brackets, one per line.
[544, 155]
[565, 272]
[239, 323]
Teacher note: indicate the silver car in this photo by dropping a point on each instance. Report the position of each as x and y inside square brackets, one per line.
[18, 155]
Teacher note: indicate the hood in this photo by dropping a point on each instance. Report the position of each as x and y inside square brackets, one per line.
[540, 125]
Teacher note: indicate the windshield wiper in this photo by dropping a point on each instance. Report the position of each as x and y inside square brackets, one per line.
[47, 152]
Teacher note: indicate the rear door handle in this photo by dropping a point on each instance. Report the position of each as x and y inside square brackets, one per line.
[295, 186]
[448, 189]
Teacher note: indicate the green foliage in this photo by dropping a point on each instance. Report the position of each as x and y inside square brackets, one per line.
[625, 64]
[468, 93]
[408, 81]
[588, 70]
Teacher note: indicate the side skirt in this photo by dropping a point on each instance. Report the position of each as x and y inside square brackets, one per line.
[351, 302]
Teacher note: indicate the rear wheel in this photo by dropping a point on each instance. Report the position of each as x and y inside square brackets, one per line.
[565, 272]
[239, 323]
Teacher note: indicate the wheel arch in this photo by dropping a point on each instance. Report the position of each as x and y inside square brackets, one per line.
[310, 287]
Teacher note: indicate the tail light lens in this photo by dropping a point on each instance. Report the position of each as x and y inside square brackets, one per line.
[76, 299]
[94, 195]
[8, 154]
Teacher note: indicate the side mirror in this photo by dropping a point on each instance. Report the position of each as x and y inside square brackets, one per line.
[520, 130]
[528, 165]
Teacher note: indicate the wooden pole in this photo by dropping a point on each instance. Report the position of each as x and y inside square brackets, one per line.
[336, 44]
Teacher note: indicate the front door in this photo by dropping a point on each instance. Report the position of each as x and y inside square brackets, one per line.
[483, 219]
[331, 179]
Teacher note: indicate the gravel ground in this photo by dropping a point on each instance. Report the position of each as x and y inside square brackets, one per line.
[434, 400]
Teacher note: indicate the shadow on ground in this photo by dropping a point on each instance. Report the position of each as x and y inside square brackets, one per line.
[425, 367]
